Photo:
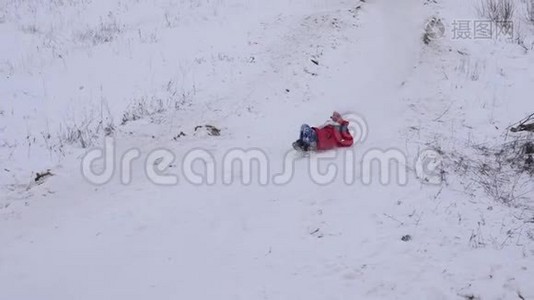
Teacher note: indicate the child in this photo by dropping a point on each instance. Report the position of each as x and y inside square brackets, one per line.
[327, 137]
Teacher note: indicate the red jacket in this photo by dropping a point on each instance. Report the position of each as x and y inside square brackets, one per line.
[333, 136]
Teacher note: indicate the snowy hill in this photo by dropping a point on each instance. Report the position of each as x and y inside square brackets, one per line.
[195, 105]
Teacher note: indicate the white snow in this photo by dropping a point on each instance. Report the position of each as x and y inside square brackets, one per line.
[150, 69]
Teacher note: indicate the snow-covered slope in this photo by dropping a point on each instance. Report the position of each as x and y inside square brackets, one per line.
[149, 72]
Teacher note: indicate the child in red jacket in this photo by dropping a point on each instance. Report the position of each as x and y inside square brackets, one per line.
[327, 137]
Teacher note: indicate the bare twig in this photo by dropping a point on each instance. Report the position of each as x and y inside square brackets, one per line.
[394, 219]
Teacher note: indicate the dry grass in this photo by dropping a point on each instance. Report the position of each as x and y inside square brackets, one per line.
[499, 11]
